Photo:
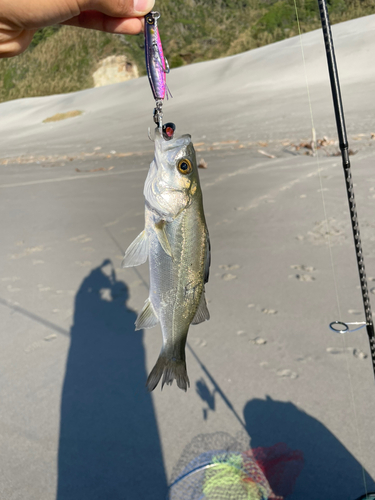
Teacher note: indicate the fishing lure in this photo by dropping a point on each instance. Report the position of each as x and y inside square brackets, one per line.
[156, 64]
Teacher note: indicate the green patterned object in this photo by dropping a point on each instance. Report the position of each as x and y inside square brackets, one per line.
[227, 479]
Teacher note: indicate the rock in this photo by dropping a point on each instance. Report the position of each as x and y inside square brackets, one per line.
[114, 69]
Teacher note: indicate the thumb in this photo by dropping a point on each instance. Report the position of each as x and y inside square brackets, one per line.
[118, 8]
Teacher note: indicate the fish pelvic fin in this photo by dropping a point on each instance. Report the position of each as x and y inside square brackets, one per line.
[147, 317]
[137, 252]
[170, 369]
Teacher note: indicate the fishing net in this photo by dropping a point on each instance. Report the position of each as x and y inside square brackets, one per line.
[222, 474]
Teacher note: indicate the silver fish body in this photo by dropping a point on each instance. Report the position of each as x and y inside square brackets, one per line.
[176, 242]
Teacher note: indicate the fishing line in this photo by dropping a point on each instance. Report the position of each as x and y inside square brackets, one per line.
[217, 388]
[343, 143]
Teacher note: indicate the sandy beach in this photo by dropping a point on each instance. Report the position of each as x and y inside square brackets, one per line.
[76, 421]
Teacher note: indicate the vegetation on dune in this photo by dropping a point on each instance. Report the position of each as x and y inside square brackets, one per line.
[63, 59]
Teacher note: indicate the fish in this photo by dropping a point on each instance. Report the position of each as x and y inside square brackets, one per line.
[176, 243]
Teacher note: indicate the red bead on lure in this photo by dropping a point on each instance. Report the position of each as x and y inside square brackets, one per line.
[157, 66]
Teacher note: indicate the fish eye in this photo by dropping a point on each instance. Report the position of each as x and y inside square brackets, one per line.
[150, 20]
[184, 166]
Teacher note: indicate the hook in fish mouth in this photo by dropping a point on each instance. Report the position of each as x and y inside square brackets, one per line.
[168, 131]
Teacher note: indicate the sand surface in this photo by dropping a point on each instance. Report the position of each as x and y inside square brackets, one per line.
[76, 422]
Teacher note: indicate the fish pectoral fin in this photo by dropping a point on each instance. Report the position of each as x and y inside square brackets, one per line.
[137, 252]
[147, 318]
[163, 238]
[202, 313]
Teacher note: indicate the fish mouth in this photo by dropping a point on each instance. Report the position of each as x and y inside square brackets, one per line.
[175, 143]
[171, 144]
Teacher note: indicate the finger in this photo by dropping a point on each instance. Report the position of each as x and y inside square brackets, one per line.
[98, 21]
[11, 46]
[118, 8]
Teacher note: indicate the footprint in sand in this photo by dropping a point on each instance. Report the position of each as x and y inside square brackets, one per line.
[306, 269]
[286, 373]
[269, 311]
[229, 267]
[302, 267]
[53, 336]
[357, 353]
[258, 341]
[305, 277]
[228, 277]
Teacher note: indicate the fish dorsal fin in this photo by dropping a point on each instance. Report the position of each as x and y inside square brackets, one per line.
[137, 252]
[202, 313]
[163, 238]
[147, 317]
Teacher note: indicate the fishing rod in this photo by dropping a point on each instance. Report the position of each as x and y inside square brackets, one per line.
[339, 326]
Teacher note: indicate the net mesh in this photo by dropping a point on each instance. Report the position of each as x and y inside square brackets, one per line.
[222, 474]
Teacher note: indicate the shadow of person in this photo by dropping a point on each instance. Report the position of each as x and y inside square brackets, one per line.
[109, 447]
[330, 471]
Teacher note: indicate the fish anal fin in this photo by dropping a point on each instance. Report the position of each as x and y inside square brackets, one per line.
[159, 228]
[202, 313]
[137, 251]
[147, 318]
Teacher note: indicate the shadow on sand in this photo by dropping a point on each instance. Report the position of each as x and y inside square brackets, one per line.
[109, 445]
[330, 471]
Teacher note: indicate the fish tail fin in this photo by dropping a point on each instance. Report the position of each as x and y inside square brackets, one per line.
[170, 369]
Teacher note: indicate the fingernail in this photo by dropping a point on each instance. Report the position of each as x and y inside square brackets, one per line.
[144, 6]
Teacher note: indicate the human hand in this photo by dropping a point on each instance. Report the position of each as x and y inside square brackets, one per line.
[20, 19]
